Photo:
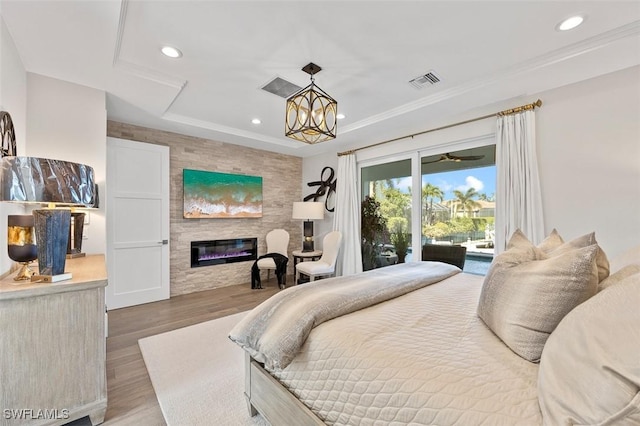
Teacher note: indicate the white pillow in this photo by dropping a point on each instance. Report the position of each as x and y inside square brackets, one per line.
[552, 242]
[554, 245]
[525, 293]
[590, 367]
[583, 241]
[620, 275]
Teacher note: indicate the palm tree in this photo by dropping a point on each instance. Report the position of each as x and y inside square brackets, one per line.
[466, 200]
[429, 192]
[485, 197]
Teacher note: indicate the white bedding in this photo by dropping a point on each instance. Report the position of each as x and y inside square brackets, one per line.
[422, 358]
[275, 330]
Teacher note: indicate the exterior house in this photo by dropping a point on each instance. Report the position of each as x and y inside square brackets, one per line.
[486, 209]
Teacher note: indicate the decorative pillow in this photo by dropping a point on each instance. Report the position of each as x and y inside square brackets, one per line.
[583, 241]
[519, 250]
[552, 242]
[589, 371]
[525, 294]
[616, 277]
[555, 242]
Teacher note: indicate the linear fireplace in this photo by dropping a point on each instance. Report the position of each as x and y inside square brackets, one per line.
[218, 252]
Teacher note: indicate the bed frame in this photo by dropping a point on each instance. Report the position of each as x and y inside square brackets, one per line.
[267, 396]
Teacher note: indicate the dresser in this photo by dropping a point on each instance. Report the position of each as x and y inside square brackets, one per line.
[53, 347]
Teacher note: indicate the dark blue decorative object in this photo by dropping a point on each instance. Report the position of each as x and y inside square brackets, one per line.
[52, 236]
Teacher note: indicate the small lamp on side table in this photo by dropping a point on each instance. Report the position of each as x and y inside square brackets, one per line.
[308, 211]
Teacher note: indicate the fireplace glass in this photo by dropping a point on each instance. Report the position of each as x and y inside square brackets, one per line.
[218, 252]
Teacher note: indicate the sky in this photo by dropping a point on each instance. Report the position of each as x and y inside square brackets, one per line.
[483, 179]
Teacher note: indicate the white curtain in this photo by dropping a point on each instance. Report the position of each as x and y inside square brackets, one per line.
[346, 218]
[519, 200]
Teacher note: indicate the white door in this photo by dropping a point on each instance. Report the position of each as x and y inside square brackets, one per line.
[137, 223]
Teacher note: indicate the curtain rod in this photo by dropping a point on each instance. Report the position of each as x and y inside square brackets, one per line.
[515, 110]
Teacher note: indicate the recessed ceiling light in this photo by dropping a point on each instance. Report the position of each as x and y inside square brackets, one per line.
[340, 116]
[256, 121]
[570, 23]
[171, 52]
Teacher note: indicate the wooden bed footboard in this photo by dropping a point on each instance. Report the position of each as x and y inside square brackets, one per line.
[267, 396]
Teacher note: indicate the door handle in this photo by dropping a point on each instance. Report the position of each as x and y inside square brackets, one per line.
[163, 242]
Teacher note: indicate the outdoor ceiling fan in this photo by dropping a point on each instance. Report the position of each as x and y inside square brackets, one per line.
[455, 158]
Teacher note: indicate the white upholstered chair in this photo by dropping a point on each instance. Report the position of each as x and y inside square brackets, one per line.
[277, 242]
[326, 265]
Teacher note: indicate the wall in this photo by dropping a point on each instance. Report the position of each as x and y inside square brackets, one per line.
[590, 159]
[67, 121]
[281, 176]
[588, 143]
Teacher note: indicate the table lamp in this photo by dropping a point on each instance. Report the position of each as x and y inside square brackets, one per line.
[56, 184]
[308, 211]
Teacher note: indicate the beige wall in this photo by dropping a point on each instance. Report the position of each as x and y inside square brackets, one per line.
[281, 176]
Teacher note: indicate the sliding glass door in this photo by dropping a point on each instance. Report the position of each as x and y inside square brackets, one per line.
[458, 202]
[453, 205]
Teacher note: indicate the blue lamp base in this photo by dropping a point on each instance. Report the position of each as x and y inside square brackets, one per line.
[52, 236]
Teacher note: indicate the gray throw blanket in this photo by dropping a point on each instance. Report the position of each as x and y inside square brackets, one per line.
[274, 331]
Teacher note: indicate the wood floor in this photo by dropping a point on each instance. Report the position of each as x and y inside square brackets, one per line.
[131, 399]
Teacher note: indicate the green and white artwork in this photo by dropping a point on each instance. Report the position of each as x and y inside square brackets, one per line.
[221, 195]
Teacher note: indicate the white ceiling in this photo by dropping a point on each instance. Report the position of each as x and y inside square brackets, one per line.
[484, 51]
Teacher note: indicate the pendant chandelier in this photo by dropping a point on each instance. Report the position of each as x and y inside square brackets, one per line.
[311, 113]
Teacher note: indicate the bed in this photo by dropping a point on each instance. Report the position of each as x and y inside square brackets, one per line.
[425, 353]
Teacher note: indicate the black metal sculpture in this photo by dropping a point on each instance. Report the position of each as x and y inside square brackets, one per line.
[325, 186]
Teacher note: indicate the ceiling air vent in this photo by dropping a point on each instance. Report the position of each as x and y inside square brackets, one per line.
[427, 79]
[281, 87]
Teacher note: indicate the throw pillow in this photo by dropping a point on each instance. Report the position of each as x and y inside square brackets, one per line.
[616, 277]
[552, 242]
[525, 294]
[583, 241]
[519, 250]
[589, 368]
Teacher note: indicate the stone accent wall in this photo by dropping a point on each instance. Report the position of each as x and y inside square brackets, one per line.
[281, 186]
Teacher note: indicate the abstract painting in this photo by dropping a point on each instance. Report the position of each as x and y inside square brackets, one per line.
[221, 195]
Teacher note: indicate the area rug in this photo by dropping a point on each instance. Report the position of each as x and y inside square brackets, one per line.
[198, 375]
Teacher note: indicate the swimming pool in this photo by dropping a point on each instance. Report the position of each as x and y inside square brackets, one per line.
[477, 264]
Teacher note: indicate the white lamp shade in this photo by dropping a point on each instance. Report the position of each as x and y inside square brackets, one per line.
[308, 210]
